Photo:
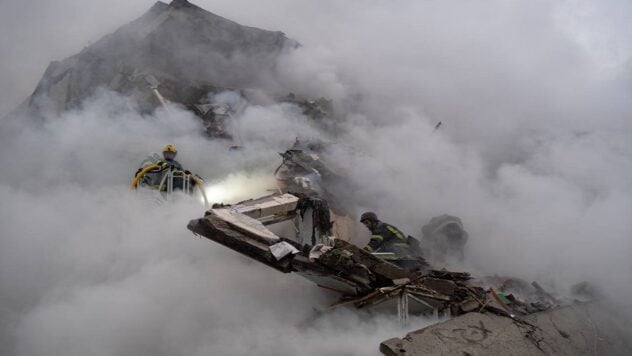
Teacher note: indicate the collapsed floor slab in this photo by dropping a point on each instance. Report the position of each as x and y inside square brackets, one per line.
[578, 329]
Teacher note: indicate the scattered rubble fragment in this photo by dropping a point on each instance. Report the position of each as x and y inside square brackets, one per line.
[217, 117]
[317, 109]
[303, 171]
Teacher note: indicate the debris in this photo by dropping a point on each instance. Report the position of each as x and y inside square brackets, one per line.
[303, 172]
[274, 207]
[315, 109]
[469, 305]
[401, 281]
[317, 251]
[363, 279]
[437, 126]
[544, 293]
[519, 315]
[321, 220]
[146, 63]
[503, 298]
[282, 249]
[499, 303]
[246, 224]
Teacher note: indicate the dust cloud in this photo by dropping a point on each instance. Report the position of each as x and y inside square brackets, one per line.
[534, 155]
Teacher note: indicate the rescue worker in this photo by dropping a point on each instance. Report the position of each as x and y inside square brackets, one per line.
[154, 177]
[385, 237]
[444, 239]
[169, 153]
[388, 238]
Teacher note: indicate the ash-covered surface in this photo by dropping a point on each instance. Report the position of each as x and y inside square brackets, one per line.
[179, 48]
[579, 329]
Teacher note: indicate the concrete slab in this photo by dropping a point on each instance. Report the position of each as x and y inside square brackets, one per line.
[580, 329]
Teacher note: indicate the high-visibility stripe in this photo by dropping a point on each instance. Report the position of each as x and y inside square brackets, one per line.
[400, 244]
[390, 258]
[377, 237]
[395, 232]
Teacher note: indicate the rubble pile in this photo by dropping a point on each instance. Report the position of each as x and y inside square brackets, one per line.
[491, 315]
[179, 54]
[442, 292]
[315, 109]
[175, 53]
[361, 278]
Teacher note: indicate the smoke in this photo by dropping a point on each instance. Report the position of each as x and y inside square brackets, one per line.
[534, 155]
[87, 266]
[239, 187]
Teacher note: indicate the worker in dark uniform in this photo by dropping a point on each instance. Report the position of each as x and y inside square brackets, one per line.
[167, 164]
[386, 238]
[444, 239]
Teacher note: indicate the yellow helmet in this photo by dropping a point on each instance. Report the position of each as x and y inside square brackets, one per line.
[170, 148]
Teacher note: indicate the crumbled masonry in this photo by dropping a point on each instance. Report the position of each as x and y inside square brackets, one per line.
[361, 278]
[484, 315]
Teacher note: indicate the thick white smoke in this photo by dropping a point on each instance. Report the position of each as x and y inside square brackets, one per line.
[89, 267]
[534, 155]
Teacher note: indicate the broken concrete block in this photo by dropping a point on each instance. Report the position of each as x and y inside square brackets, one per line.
[582, 329]
[282, 249]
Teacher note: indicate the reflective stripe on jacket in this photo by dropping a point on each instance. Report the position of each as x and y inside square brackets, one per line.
[387, 238]
[164, 163]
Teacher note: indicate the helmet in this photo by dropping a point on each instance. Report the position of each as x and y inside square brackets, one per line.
[169, 152]
[369, 215]
[170, 148]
